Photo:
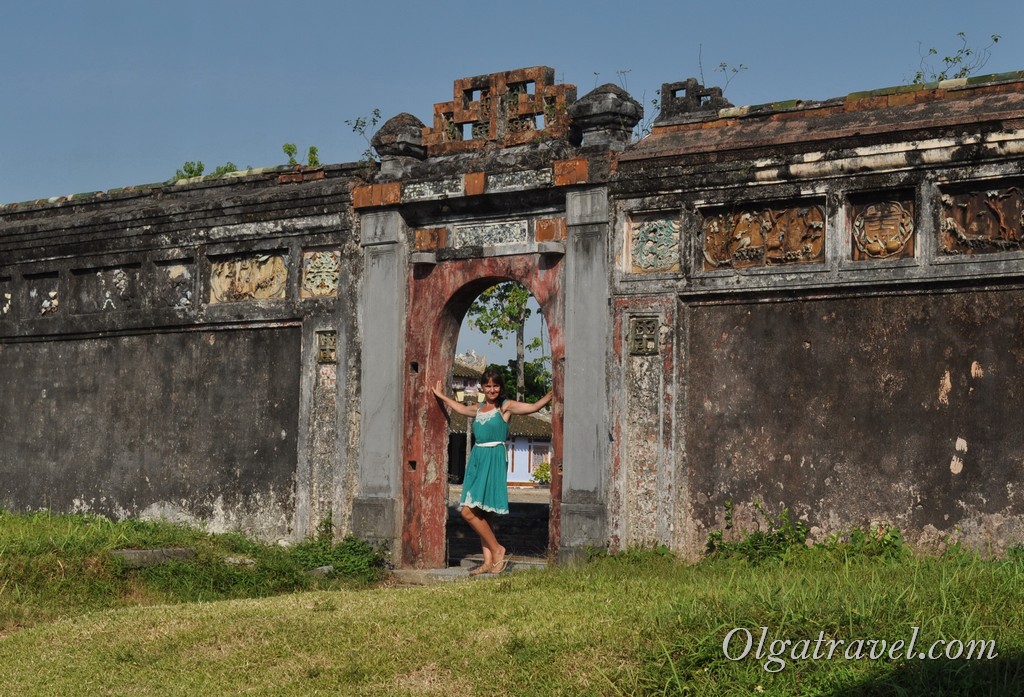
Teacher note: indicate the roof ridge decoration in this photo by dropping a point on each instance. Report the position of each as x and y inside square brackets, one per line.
[507, 108]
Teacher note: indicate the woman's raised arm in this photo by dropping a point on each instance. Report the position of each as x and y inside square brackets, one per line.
[521, 408]
[457, 407]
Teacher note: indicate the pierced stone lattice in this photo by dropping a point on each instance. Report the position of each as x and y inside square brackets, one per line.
[643, 336]
[982, 222]
[764, 237]
[500, 107]
[327, 347]
[883, 230]
[320, 274]
[655, 245]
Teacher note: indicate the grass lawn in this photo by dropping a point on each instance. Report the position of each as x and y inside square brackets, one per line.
[639, 623]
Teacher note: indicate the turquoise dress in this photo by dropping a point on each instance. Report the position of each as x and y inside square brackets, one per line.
[486, 483]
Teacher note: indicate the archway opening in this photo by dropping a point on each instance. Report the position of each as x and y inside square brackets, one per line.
[439, 299]
[503, 329]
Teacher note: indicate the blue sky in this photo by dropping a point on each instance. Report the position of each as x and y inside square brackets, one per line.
[107, 93]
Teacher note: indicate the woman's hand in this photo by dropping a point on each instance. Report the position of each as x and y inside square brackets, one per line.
[457, 407]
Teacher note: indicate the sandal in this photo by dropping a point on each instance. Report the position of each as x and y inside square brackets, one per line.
[499, 566]
[482, 569]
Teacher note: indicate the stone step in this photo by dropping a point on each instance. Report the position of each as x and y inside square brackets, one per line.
[142, 558]
[524, 531]
[516, 563]
[429, 577]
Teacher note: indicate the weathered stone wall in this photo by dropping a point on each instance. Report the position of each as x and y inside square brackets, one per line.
[188, 350]
[812, 302]
[894, 407]
[804, 305]
[193, 424]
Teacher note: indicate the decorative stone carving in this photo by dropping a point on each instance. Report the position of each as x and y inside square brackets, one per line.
[433, 189]
[103, 290]
[655, 245]
[6, 297]
[320, 274]
[687, 97]
[764, 237]
[491, 234]
[516, 181]
[643, 336]
[981, 222]
[263, 277]
[327, 347]
[175, 283]
[883, 230]
[509, 108]
[606, 116]
[43, 294]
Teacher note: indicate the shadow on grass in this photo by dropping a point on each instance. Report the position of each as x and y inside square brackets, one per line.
[1002, 675]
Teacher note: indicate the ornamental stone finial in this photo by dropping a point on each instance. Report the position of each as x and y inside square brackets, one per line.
[398, 142]
[606, 117]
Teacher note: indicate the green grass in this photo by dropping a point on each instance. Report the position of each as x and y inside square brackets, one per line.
[54, 567]
[640, 623]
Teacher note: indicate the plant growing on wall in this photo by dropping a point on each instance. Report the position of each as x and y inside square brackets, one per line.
[964, 62]
[312, 155]
[195, 169]
[363, 126]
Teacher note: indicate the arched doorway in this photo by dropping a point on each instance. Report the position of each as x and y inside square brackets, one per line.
[439, 297]
[503, 330]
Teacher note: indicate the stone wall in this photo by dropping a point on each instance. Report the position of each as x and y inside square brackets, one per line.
[802, 305]
[812, 302]
[188, 350]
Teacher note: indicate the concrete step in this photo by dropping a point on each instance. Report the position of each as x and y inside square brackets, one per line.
[429, 577]
[516, 563]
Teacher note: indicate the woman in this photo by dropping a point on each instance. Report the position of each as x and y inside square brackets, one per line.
[484, 489]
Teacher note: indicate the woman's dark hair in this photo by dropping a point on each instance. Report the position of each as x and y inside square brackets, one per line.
[497, 377]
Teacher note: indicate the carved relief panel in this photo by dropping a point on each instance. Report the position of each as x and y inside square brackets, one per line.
[654, 244]
[643, 336]
[327, 347]
[257, 277]
[42, 294]
[320, 274]
[882, 229]
[6, 298]
[491, 234]
[767, 236]
[104, 290]
[981, 222]
[175, 283]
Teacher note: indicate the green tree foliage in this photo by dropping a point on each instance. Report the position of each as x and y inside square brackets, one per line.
[499, 312]
[189, 170]
[536, 377]
[964, 62]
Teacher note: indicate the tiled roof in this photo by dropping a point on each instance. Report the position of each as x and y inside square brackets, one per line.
[530, 426]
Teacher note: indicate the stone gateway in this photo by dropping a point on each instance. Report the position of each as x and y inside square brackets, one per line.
[814, 306]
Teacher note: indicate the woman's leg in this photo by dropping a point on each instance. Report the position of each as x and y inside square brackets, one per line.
[476, 519]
